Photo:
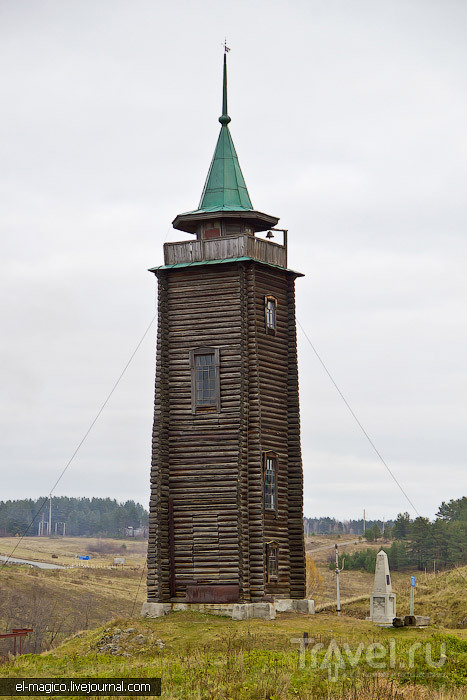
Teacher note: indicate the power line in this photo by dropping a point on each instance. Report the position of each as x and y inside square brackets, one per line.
[81, 442]
[355, 417]
[137, 590]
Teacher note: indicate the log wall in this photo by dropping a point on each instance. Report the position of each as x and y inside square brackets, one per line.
[207, 518]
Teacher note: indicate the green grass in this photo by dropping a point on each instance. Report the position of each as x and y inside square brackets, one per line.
[207, 657]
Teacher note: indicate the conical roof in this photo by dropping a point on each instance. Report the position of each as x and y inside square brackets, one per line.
[225, 187]
[225, 192]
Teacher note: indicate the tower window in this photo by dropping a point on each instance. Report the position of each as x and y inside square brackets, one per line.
[205, 394]
[272, 564]
[270, 308]
[270, 481]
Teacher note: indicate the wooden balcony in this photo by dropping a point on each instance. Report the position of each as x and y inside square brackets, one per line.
[225, 248]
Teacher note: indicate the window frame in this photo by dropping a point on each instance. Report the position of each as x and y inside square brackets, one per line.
[272, 555]
[216, 405]
[268, 327]
[270, 456]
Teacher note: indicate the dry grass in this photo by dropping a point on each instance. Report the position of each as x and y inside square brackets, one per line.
[442, 596]
[353, 584]
[57, 603]
[68, 549]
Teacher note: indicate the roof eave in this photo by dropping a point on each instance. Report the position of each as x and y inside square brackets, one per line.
[259, 221]
[243, 258]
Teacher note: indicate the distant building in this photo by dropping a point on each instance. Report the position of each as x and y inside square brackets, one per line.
[136, 531]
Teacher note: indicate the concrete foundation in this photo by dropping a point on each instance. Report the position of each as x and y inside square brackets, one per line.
[305, 606]
[245, 611]
[155, 609]
[237, 611]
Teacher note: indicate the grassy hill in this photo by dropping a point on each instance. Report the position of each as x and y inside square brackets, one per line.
[212, 658]
[442, 596]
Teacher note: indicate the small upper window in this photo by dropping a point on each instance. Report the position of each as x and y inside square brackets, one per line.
[205, 379]
[270, 481]
[272, 564]
[231, 228]
[270, 309]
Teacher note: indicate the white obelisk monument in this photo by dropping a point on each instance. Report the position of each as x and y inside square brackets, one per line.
[382, 600]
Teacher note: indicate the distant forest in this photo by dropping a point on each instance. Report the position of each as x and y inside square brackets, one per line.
[420, 543]
[94, 517]
[89, 517]
[328, 526]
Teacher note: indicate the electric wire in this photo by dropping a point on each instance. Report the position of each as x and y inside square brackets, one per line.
[81, 442]
[137, 590]
[355, 417]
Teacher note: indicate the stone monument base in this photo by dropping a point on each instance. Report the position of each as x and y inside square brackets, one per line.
[382, 608]
[237, 611]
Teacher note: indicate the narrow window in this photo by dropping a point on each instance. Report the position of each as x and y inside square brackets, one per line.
[270, 481]
[272, 567]
[270, 308]
[205, 393]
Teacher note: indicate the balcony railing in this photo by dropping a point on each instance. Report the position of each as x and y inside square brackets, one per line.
[225, 248]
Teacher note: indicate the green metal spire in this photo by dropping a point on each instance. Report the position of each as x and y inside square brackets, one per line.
[225, 195]
[225, 188]
[224, 118]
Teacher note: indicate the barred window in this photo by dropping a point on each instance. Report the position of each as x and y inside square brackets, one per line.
[205, 379]
[270, 308]
[270, 481]
[272, 563]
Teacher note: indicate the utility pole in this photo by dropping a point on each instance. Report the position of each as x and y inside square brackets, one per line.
[337, 581]
[364, 522]
[40, 529]
[50, 515]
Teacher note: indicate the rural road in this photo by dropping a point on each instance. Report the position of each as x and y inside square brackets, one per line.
[329, 546]
[39, 564]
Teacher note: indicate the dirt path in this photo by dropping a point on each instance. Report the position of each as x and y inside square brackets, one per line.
[329, 546]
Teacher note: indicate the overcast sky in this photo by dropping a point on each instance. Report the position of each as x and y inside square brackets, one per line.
[349, 118]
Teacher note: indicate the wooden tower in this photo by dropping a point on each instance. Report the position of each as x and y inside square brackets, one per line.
[226, 481]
